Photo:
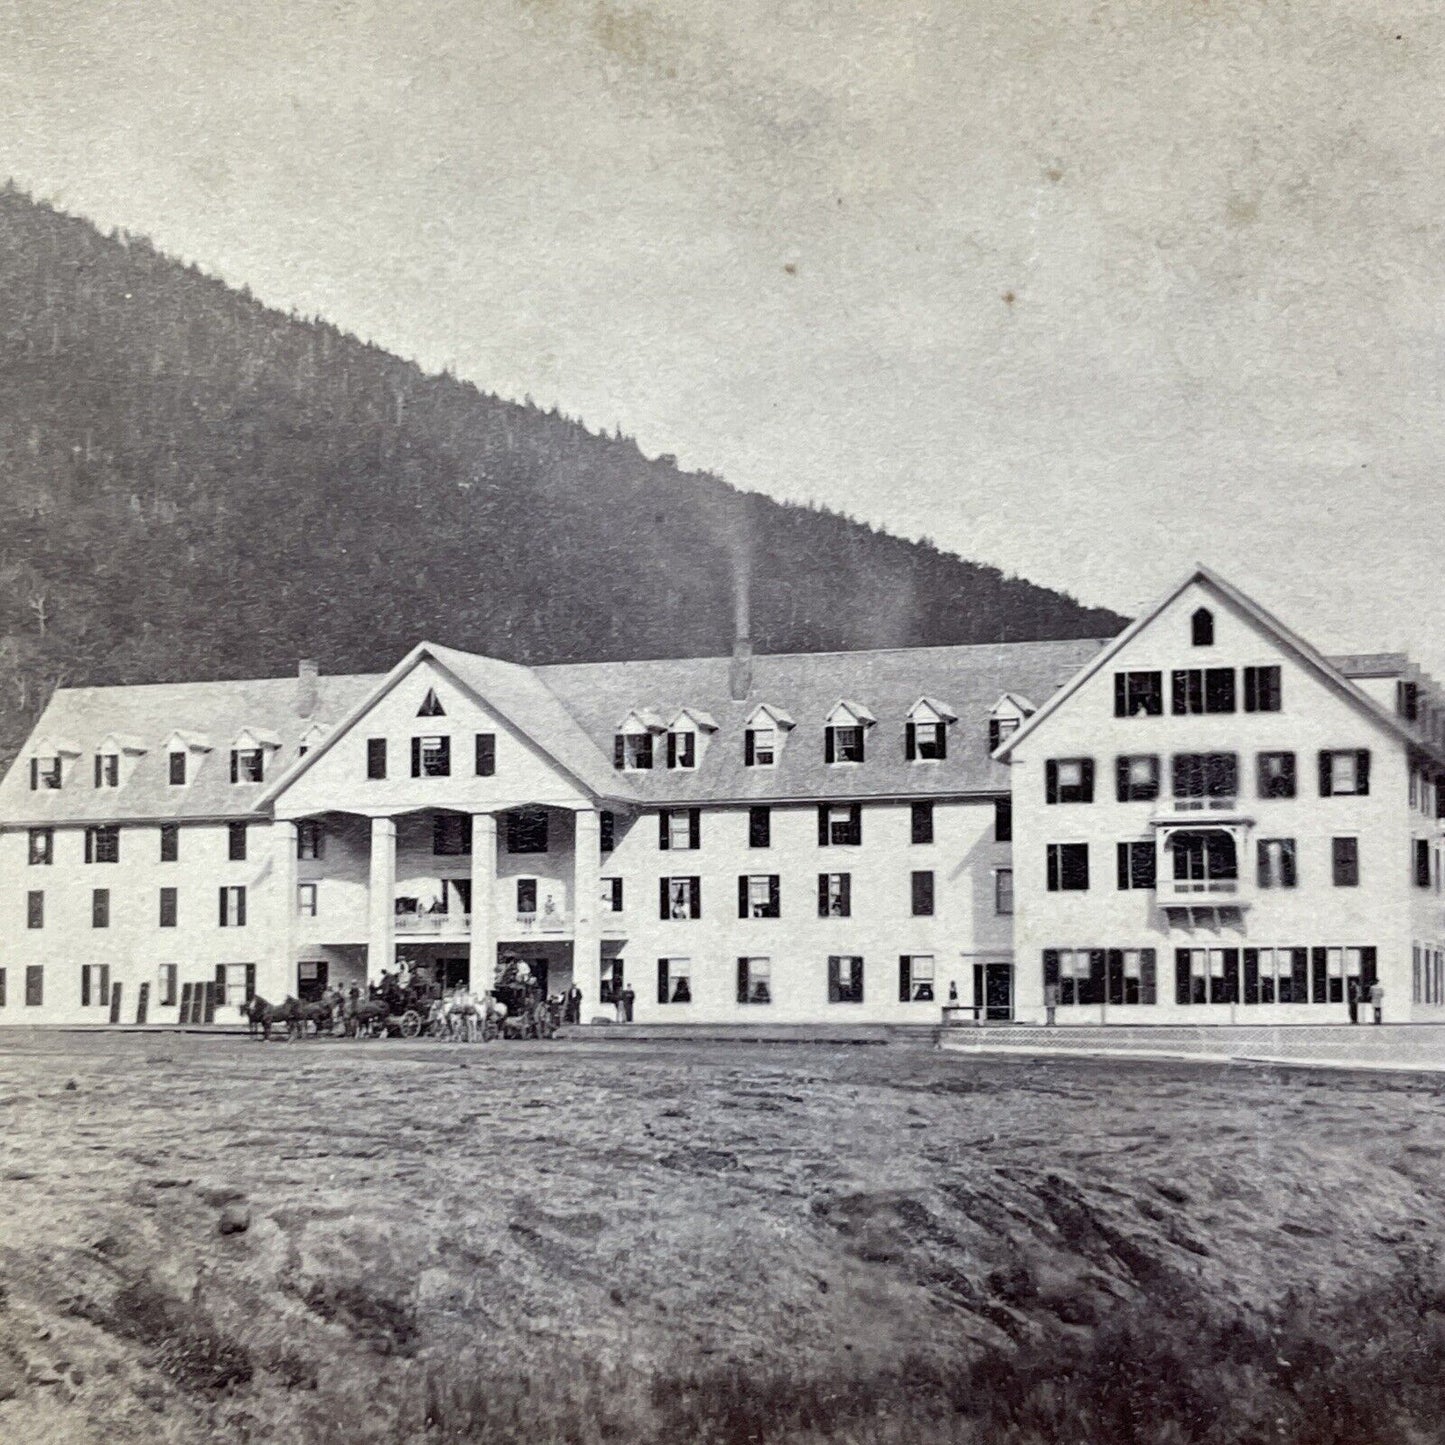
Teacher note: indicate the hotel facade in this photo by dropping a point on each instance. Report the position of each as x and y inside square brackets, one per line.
[1202, 820]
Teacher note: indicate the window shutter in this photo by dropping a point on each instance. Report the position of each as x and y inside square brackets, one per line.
[34, 775]
[1053, 879]
[1362, 771]
[1181, 975]
[694, 889]
[828, 747]
[993, 735]
[84, 985]
[833, 989]
[1319, 993]
[618, 754]
[1251, 689]
[486, 755]
[446, 756]
[910, 741]
[90, 845]
[662, 897]
[774, 902]
[694, 828]
[846, 882]
[1051, 782]
[1251, 975]
[742, 980]
[644, 751]
[1087, 772]
[742, 896]
[822, 825]
[1368, 974]
[606, 832]
[1114, 976]
[416, 757]
[1179, 693]
[1148, 983]
[943, 740]
[664, 839]
[1123, 863]
[220, 984]
[97, 770]
[672, 750]
[1287, 865]
[251, 981]
[1325, 788]
[822, 895]
[862, 742]
[855, 821]
[905, 978]
[662, 980]
[749, 748]
[1094, 992]
[1121, 703]
[1231, 975]
[1051, 967]
[223, 907]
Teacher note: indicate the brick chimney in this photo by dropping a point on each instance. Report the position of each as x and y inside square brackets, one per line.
[740, 669]
[307, 673]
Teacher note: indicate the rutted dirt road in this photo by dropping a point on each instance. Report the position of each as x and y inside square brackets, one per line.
[562, 1207]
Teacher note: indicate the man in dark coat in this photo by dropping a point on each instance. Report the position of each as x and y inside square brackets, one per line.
[627, 998]
[574, 1005]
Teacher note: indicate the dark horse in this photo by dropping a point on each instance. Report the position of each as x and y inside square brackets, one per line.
[291, 1012]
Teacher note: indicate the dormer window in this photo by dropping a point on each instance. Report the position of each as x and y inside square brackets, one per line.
[107, 770]
[999, 728]
[685, 738]
[310, 738]
[763, 739]
[248, 765]
[44, 774]
[843, 733]
[176, 763]
[682, 750]
[926, 731]
[1201, 627]
[632, 744]
[1007, 716]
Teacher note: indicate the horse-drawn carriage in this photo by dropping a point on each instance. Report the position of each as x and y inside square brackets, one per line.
[530, 1014]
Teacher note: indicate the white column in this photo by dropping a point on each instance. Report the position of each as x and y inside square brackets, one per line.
[484, 902]
[281, 976]
[586, 909]
[381, 935]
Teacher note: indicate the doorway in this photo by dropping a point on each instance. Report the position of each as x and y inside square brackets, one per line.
[993, 992]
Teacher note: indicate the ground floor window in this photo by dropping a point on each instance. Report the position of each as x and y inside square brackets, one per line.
[235, 983]
[845, 978]
[755, 980]
[1276, 975]
[34, 985]
[312, 976]
[915, 978]
[611, 986]
[95, 985]
[674, 980]
[1119, 977]
[1429, 975]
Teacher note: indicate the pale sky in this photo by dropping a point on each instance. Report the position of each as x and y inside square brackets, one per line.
[1088, 291]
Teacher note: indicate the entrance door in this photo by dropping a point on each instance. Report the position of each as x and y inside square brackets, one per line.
[115, 1003]
[454, 972]
[311, 979]
[142, 1003]
[998, 992]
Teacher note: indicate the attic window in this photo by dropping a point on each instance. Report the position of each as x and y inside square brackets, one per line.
[431, 705]
[248, 765]
[177, 763]
[761, 747]
[44, 774]
[632, 752]
[107, 770]
[1202, 627]
[998, 729]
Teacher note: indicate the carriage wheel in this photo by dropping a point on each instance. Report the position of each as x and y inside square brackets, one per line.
[409, 1024]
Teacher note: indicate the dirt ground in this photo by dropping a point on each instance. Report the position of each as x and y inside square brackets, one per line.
[208, 1238]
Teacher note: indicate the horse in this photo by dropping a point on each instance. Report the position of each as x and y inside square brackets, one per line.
[464, 1015]
[260, 1015]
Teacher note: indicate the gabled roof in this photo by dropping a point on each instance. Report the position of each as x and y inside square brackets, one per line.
[775, 715]
[697, 717]
[854, 709]
[1289, 641]
[649, 719]
[47, 746]
[939, 709]
[124, 743]
[262, 737]
[189, 740]
[1020, 704]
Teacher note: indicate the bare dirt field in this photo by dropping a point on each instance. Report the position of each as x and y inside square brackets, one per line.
[206, 1238]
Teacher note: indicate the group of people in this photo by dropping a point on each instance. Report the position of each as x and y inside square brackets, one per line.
[1374, 996]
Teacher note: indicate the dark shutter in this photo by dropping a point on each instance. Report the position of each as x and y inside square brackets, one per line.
[1251, 689]
[235, 765]
[905, 978]
[240, 907]
[775, 907]
[644, 750]
[822, 825]
[910, 741]
[220, 983]
[97, 770]
[662, 897]
[223, 908]
[828, 749]
[1231, 975]
[994, 737]
[1003, 820]
[1325, 788]
[1114, 976]
[1148, 981]
[1368, 974]
[606, 832]
[90, 845]
[742, 896]
[845, 883]
[833, 986]
[1181, 975]
[1123, 864]
[694, 828]
[1051, 967]
[416, 757]
[742, 980]
[1053, 878]
[84, 985]
[251, 980]
[486, 754]
[34, 775]
[1251, 975]
[1362, 771]
[672, 750]
[1320, 974]
[664, 841]
[822, 895]
[1121, 700]
[942, 740]
[855, 821]
[618, 750]
[662, 980]
[1051, 781]
[1093, 991]
[749, 748]
[694, 889]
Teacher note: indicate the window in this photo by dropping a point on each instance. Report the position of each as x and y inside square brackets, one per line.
[169, 904]
[233, 907]
[102, 844]
[760, 827]
[606, 832]
[925, 741]
[682, 750]
[680, 898]
[35, 909]
[1117, 976]
[612, 895]
[1276, 975]
[177, 766]
[1407, 700]
[1137, 865]
[236, 842]
[170, 842]
[3, 999]
[1421, 850]
[835, 892]
[1205, 862]
[1003, 891]
[307, 899]
[1136, 778]
[1068, 870]
[760, 747]
[758, 896]
[755, 980]
[248, 765]
[431, 705]
[1345, 863]
[100, 907]
[1261, 689]
[34, 985]
[1213, 776]
[845, 978]
[679, 828]
[1201, 628]
[451, 835]
[375, 758]
[1202, 690]
[1275, 865]
[674, 980]
[94, 985]
[1138, 694]
[44, 774]
[310, 838]
[915, 978]
[167, 976]
[1345, 772]
[1206, 975]
[527, 831]
[1003, 820]
[1069, 780]
[922, 894]
[840, 825]
[42, 847]
[486, 755]
[922, 822]
[235, 983]
[431, 756]
[1276, 776]
[843, 743]
[998, 729]
[632, 752]
[526, 895]
[107, 770]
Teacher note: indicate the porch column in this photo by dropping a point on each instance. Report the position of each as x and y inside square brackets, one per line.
[586, 908]
[381, 936]
[283, 870]
[484, 902]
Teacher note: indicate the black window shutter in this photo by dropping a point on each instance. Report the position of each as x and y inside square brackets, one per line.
[97, 770]
[1231, 975]
[672, 750]
[774, 898]
[1123, 861]
[235, 765]
[742, 896]
[828, 748]
[90, 845]
[1148, 983]
[905, 978]
[416, 757]
[749, 748]
[1251, 975]
[1179, 690]
[1251, 689]
[486, 755]
[1362, 771]
[220, 984]
[846, 884]
[1121, 779]
[662, 980]
[1368, 974]
[34, 775]
[84, 986]
[742, 980]
[1181, 975]
[855, 821]
[223, 908]
[822, 895]
[618, 744]
[1325, 788]
[662, 897]
[694, 889]
[607, 832]
[910, 741]
[1087, 770]
[1114, 976]
[822, 825]
[644, 750]
[833, 989]
[1121, 704]
[1051, 781]
[694, 828]
[1053, 878]
[1094, 989]
[664, 838]
[1320, 991]
[993, 735]
[1051, 967]
[241, 907]
[942, 740]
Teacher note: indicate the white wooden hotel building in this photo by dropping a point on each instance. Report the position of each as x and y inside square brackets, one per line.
[1203, 819]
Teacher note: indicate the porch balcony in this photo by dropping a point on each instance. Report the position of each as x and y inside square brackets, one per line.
[432, 925]
[556, 922]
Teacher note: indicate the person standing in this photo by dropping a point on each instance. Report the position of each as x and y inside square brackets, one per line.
[1051, 1002]
[1354, 996]
[1377, 1000]
[574, 1005]
[627, 999]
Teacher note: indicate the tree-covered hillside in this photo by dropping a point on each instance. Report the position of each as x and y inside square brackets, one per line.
[196, 486]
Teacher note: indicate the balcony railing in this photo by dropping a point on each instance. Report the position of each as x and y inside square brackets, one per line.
[554, 922]
[433, 923]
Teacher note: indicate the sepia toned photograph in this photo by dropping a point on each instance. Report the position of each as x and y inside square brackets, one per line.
[721, 722]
